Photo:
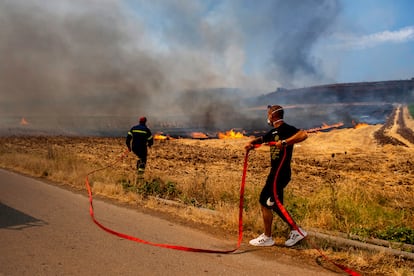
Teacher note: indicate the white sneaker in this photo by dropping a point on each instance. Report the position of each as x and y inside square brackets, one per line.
[262, 240]
[295, 237]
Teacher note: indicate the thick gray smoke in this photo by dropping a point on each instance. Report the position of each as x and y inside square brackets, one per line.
[299, 29]
[288, 30]
[72, 57]
[114, 57]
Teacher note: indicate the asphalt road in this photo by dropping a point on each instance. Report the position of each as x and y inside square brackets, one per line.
[47, 230]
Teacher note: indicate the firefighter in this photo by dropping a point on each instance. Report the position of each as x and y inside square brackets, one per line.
[141, 139]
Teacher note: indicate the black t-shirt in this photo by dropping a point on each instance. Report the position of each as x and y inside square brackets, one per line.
[282, 132]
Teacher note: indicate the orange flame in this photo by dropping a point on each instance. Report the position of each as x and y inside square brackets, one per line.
[23, 122]
[198, 135]
[160, 137]
[231, 134]
[324, 127]
[359, 125]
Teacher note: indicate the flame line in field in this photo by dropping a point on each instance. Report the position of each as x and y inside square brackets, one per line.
[324, 127]
[231, 134]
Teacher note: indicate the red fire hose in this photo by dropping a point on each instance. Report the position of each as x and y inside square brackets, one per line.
[191, 249]
[176, 247]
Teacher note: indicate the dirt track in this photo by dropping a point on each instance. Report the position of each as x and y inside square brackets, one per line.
[396, 131]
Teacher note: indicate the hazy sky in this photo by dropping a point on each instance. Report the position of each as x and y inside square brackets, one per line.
[292, 43]
[119, 56]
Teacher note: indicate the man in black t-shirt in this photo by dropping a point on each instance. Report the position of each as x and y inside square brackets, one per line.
[281, 139]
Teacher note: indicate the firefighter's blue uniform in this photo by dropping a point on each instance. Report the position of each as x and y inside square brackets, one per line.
[141, 139]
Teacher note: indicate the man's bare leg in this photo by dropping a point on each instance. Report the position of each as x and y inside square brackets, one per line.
[267, 220]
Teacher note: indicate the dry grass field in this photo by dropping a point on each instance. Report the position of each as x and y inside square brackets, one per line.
[355, 181]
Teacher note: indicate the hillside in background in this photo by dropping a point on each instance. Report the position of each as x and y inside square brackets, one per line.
[216, 110]
[310, 107]
[394, 91]
[349, 103]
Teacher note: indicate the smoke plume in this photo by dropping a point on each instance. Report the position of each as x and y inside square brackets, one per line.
[114, 57]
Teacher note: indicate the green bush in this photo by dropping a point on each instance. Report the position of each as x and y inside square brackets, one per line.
[397, 234]
[157, 187]
[411, 109]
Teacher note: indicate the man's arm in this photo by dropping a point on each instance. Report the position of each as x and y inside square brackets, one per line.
[128, 140]
[255, 141]
[150, 139]
[298, 137]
